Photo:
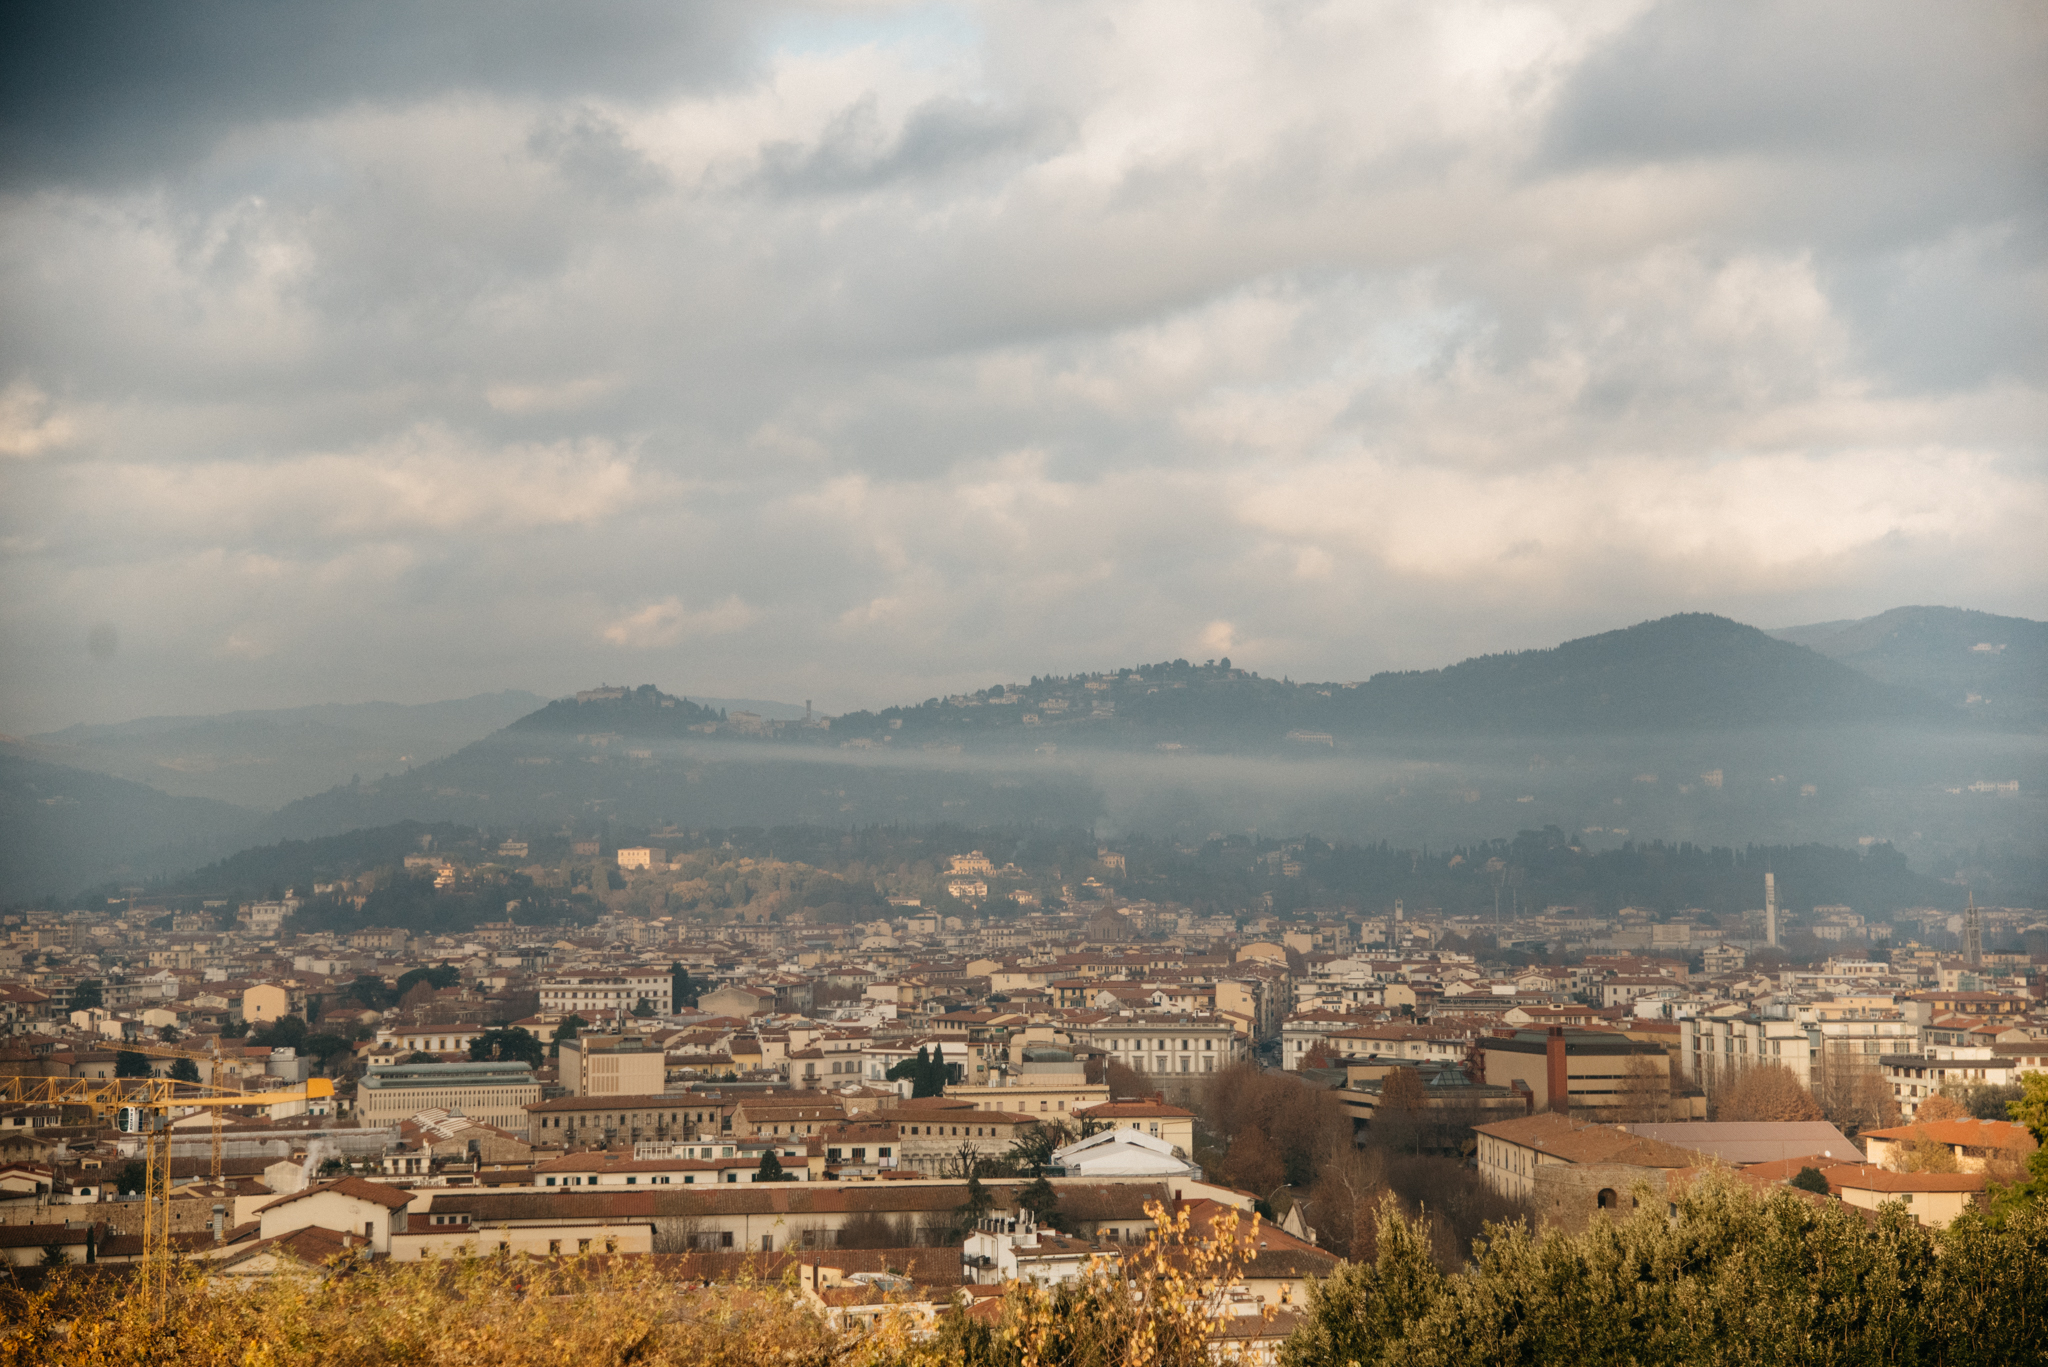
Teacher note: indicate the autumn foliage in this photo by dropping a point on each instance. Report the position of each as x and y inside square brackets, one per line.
[1157, 1308]
[1766, 1091]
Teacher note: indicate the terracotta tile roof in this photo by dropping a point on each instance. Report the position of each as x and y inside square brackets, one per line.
[35, 1236]
[1278, 1253]
[1784, 1169]
[191, 1241]
[1862, 1177]
[1987, 1134]
[312, 1245]
[1134, 1110]
[377, 1193]
[1571, 1141]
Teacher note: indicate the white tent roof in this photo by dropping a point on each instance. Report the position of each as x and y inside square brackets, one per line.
[1123, 1152]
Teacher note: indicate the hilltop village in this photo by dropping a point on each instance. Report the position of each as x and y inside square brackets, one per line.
[960, 1069]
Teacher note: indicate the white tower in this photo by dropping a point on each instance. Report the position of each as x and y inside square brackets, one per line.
[1973, 935]
[1771, 909]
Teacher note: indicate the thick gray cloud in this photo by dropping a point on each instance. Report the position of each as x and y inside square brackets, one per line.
[856, 352]
[119, 88]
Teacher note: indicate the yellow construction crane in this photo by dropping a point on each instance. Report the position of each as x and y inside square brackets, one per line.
[152, 1049]
[142, 1106]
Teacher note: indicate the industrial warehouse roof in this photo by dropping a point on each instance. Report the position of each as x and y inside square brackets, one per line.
[442, 1074]
[1575, 1042]
[1754, 1141]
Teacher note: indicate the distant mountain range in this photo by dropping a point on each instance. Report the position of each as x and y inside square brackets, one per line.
[1689, 727]
[67, 829]
[1991, 667]
[263, 760]
[1686, 673]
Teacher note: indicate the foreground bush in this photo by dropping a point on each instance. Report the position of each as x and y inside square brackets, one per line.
[1729, 1279]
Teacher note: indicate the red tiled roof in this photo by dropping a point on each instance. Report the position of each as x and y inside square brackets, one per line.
[1988, 1134]
[1862, 1177]
[377, 1193]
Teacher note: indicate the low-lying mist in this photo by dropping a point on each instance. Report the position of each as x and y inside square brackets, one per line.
[1919, 791]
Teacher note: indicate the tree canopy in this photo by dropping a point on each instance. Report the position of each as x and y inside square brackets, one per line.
[928, 1072]
[1724, 1277]
[514, 1044]
[286, 1032]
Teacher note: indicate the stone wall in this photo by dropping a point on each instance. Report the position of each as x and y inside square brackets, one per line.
[1567, 1195]
[121, 1217]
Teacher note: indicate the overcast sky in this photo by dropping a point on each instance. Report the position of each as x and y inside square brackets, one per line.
[864, 352]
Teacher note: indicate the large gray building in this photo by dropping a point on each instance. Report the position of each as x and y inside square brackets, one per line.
[491, 1093]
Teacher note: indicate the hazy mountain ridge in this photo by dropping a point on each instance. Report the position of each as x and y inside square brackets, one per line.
[67, 828]
[1691, 727]
[640, 711]
[264, 759]
[1688, 672]
[1684, 672]
[1991, 667]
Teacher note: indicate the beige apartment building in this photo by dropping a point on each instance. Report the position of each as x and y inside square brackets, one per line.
[1048, 1084]
[613, 1065]
[1165, 1044]
[572, 993]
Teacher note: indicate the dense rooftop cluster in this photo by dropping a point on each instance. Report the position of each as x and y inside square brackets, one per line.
[688, 1047]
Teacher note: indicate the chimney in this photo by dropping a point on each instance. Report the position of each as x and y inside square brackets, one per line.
[220, 1223]
[1557, 1079]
